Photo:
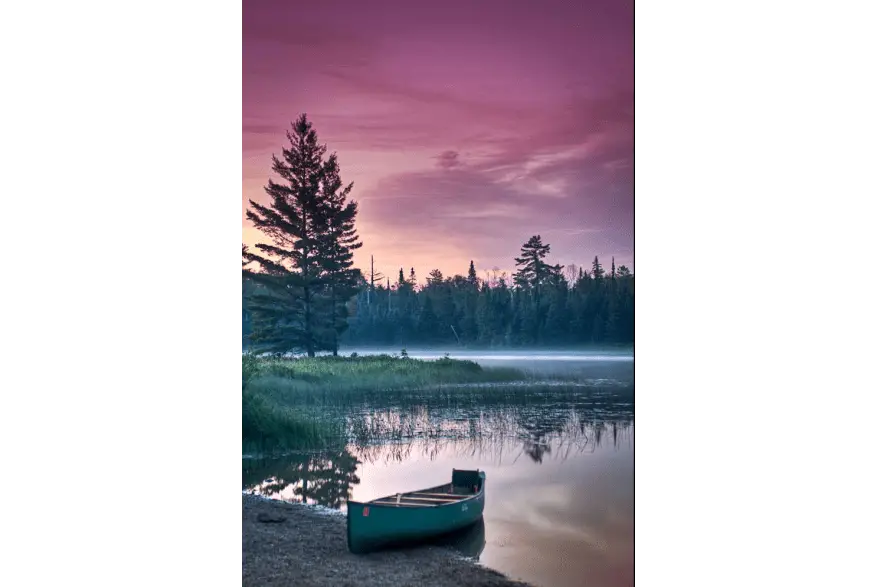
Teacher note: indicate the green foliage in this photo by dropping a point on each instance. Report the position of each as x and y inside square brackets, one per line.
[312, 381]
[542, 309]
[306, 274]
[268, 425]
[533, 271]
[301, 301]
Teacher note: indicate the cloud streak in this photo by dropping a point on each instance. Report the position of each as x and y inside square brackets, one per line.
[466, 127]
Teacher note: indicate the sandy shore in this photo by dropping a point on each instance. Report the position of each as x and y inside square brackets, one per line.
[309, 548]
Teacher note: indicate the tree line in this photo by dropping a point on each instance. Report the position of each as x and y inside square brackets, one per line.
[301, 293]
[540, 305]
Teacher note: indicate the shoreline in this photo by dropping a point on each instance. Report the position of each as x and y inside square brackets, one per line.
[309, 547]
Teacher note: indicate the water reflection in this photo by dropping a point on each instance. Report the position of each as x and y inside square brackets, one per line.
[469, 541]
[327, 478]
[559, 507]
[323, 478]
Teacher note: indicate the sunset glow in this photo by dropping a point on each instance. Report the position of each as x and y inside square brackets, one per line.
[465, 126]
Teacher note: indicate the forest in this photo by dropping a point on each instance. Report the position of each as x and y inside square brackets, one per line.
[576, 307]
[303, 294]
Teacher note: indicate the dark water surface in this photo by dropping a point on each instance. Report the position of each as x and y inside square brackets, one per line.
[559, 463]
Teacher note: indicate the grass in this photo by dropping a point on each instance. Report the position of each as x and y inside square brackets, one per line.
[383, 371]
[269, 426]
[309, 381]
[280, 395]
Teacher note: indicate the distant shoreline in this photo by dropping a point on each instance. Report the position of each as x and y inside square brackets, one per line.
[309, 547]
[396, 349]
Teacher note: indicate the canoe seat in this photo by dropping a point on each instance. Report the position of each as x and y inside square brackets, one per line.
[455, 496]
[411, 497]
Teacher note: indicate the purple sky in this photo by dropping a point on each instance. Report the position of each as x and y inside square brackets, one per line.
[466, 126]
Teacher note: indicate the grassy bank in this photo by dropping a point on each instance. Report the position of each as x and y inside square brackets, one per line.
[375, 372]
[281, 397]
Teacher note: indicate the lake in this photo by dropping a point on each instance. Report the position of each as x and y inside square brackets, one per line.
[559, 461]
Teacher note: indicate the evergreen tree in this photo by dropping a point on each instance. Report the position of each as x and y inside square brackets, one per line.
[428, 324]
[597, 269]
[472, 276]
[435, 277]
[557, 318]
[246, 325]
[579, 310]
[533, 271]
[244, 250]
[310, 226]
[338, 240]
[532, 275]
[610, 328]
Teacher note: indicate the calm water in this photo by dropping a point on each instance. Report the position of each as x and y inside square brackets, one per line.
[559, 463]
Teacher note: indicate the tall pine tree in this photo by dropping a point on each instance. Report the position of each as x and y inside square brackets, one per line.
[307, 268]
[533, 271]
[338, 240]
[532, 276]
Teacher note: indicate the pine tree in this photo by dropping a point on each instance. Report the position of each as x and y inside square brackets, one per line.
[245, 324]
[610, 328]
[311, 227]
[337, 243]
[401, 281]
[557, 318]
[427, 322]
[244, 250]
[472, 276]
[435, 277]
[533, 271]
[597, 269]
[532, 275]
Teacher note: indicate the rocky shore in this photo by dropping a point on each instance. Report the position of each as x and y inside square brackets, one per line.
[296, 545]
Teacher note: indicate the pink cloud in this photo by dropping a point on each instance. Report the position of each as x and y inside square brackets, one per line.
[466, 127]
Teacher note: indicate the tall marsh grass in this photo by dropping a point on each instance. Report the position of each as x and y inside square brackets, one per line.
[282, 397]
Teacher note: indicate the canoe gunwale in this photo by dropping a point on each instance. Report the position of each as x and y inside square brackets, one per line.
[376, 502]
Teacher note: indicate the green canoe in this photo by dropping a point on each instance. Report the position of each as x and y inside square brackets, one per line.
[416, 516]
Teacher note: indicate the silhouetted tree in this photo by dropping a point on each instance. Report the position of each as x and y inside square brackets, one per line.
[337, 240]
[306, 270]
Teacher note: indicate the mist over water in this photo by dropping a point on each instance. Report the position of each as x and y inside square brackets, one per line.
[535, 355]
[559, 462]
[612, 366]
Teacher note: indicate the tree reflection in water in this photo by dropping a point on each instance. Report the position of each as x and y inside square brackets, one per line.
[324, 478]
[327, 478]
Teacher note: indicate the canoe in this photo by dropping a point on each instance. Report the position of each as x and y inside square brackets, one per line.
[416, 516]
